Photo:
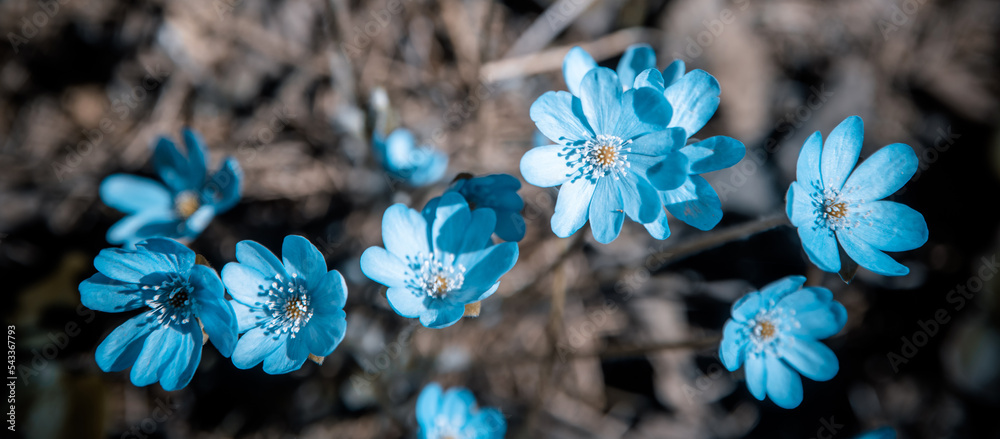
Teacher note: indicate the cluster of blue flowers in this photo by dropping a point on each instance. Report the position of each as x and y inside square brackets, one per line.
[623, 146]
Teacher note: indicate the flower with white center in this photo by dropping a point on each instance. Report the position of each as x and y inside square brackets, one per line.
[837, 207]
[164, 342]
[287, 309]
[437, 262]
[774, 332]
[453, 414]
[606, 139]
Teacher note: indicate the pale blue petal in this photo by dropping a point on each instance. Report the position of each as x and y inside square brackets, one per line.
[485, 267]
[799, 205]
[330, 293]
[456, 404]
[576, 64]
[244, 283]
[132, 266]
[101, 293]
[870, 257]
[643, 111]
[399, 150]
[430, 167]
[820, 245]
[670, 173]
[775, 291]
[428, 405]
[807, 171]
[747, 307]
[384, 267]
[199, 221]
[560, 117]
[658, 143]
[811, 358]
[572, 207]
[640, 200]
[287, 358]
[650, 78]
[442, 315]
[783, 385]
[840, 152]
[406, 302]
[253, 347]
[888, 226]
[214, 311]
[659, 228]
[546, 166]
[121, 348]
[882, 174]
[303, 260]
[637, 57]
[178, 372]
[157, 353]
[258, 257]
[713, 154]
[247, 318]
[325, 332]
[601, 95]
[694, 99]
[732, 349]
[131, 194]
[127, 230]
[756, 376]
[703, 212]
[404, 231]
[606, 212]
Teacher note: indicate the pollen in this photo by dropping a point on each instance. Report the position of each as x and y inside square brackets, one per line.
[186, 204]
[765, 330]
[837, 210]
[605, 155]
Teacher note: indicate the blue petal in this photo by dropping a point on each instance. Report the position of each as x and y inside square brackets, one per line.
[244, 283]
[650, 78]
[560, 117]
[576, 64]
[643, 111]
[747, 307]
[485, 267]
[225, 187]
[674, 72]
[156, 354]
[404, 231]
[398, 150]
[384, 267]
[121, 348]
[176, 257]
[660, 227]
[324, 333]
[187, 356]
[870, 257]
[303, 260]
[732, 349]
[700, 208]
[694, 98]
[198, 221]
[818, 315]
[807, 168]
[882, 433]
[510, 226]
[799, 205]
[197, 155]
[637, 57]
[132, 266]
[487, 423]
[331, 292]
[258, 257]
[546, 166]
[174, 168]
[102, 293]
[888, 226]
[783, 385]
[572, 207]
[429, 168]
[456, 405]
[131, 194]
[428, 405]
[881, 174]
[840, 152]
[127, 230]
[214, 311]
[775, 291]
[756, 376]
[168, 350]
[247, 318]
[640, 200]
[601, 96]
[442, 316]
[253, 347]
[811, 358]
[713, 154]
[606, 213]
[287, 358]
[820, 245]
[670, 173]
[658, 143]
[457, 230]
[406, 302]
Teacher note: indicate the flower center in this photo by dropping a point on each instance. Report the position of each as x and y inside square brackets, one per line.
[435, 277]
[186, 204]
[171, 301]
[605, 155]
[764, 330]
[287, 305]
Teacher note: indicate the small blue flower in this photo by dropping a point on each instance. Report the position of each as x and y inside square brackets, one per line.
[775, 332]
[287, 311]
[436, 265]
[164, 343]
[183, 206]
[497, 192]
[830, 205]
[606, 140]
[402, 159]
[881, 433]
[694, 98]
[454, 415]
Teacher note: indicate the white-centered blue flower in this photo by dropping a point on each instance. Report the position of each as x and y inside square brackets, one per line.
[403, 159]
[774, 332]
[453, 414]
[288, 308]
[831, 205]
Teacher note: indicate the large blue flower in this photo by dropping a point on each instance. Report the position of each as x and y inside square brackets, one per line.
[454, 415]
[402, 159]
[180, 207]
[164, 342]
[606, 141]
[497, 192]
[830, 205]
[287, 311]
[436, 265]
[775, 332]
[694, 98]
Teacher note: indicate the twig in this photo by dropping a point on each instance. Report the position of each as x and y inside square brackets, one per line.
[717, 238]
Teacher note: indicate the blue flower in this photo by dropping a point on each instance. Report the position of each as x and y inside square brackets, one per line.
[180, 207]
[497, 192]
[830, 205]
[775, 332]
[881, 433]
[402, 159]
[454, 415]
[606, 140]
[694, 98]
[164, 342]
[287, 311]
[436, 265]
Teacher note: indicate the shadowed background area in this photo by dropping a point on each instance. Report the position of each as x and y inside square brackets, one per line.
[86, 86]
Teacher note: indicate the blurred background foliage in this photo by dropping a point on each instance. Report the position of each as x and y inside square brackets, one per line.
[283, 86]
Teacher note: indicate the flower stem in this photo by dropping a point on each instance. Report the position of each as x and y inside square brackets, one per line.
[714, 239]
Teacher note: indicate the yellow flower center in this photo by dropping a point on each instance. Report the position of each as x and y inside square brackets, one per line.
[186, 204]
